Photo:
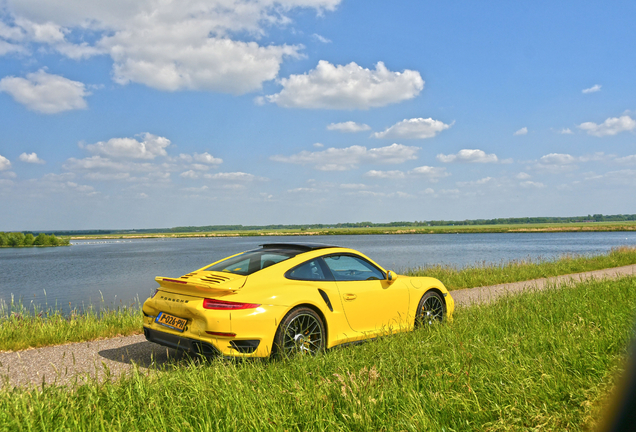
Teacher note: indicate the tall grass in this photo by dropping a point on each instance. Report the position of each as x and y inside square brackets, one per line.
[24, 327]
[536, 361]
[484, 274]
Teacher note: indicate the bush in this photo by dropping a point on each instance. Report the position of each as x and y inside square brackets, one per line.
[28, 240]
[16, 239]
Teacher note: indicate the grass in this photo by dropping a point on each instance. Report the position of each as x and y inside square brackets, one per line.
[514, 271]
[536, 361]
[445, 229]
[22, 328]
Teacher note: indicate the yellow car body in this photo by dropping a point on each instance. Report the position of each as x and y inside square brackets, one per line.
[338, 294]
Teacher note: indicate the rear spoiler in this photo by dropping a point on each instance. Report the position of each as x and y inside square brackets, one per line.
[194, 287]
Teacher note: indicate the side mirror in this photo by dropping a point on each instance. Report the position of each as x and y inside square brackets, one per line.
[390, 276]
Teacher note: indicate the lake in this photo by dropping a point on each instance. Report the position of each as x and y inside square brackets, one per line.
[123, 270]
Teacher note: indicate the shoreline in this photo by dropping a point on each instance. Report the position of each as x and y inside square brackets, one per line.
[461, 229]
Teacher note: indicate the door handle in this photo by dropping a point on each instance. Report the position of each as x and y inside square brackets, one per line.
[350, 296]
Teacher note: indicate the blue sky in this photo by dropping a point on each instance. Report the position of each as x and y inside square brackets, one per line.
[117, 114]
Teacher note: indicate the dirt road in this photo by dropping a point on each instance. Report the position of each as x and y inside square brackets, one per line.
[70, 363]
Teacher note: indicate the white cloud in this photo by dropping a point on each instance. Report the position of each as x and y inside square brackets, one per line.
[432, 174]
[149, 147]
[611, 126]
[523, 176]
[479, 182]
[221, 65]
[7, 48]
[99, 163]
[207, 158]
[349, 126]
[341, 159]
[169, 45]
[531, 184]
[318, 145]
[566, 131]
[415, 128]
[353, 186]
[627, 159]
[557, 159]
[31, 158]
[563, 162]
[468, 156]
[592, 89]
[395, 174]
[321, 38]
[191, 174]
[231, 176]
[98, 176]
[46, 93]
[5, 164]
[48, 32]
[347, 87]
[522, 131]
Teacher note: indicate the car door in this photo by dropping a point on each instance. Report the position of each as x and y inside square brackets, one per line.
[370, 302]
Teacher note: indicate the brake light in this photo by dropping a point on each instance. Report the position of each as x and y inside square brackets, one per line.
[227, 305]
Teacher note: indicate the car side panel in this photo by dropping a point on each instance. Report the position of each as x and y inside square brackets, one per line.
[375, 306]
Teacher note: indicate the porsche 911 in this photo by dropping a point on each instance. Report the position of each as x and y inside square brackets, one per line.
[285, 299]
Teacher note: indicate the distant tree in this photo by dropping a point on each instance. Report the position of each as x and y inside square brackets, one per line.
[53, 241]
[4, 241]
[41, 240]
[16, 239]
[28, 240]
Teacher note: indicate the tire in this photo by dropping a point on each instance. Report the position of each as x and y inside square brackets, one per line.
[432, 309]
[301, 332]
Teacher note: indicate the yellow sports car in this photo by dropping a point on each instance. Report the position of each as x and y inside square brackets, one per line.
[284, 299]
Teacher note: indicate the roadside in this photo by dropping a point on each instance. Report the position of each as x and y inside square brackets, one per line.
[76, 362]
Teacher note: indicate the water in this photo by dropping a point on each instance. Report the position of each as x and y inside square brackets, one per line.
[123, 270]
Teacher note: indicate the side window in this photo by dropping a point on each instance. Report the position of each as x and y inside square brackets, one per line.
[310, 271]
[350, 268]
[271, 259]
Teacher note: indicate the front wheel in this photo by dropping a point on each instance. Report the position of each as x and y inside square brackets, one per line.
[301, 332]
[432, 308]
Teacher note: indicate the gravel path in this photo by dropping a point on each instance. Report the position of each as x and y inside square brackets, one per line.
[77, 362]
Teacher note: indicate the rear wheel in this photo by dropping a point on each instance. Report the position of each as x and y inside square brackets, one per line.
[301, 332]
[431, 309]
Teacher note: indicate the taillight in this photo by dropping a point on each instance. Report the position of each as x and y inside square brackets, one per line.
[227, 305]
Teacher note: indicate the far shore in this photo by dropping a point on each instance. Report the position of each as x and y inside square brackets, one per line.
[451, 229]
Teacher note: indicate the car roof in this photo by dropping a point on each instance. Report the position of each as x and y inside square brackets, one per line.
[304, 247]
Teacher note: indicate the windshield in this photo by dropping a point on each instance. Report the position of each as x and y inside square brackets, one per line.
[252, 261]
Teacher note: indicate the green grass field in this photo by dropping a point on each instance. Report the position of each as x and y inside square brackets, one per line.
[536, 361]
[482, 274]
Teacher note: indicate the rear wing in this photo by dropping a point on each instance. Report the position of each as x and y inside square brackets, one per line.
[196, 287]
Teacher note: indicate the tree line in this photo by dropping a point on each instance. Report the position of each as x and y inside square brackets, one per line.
[422, 223]
[18, 239]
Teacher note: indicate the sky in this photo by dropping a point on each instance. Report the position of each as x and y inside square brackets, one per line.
[125, 115]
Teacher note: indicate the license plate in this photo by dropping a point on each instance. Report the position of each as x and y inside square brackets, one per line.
[173, 322]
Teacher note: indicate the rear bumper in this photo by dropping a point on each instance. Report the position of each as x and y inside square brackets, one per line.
[181, 343]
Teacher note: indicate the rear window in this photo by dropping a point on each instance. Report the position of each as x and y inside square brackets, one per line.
[252, 261]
